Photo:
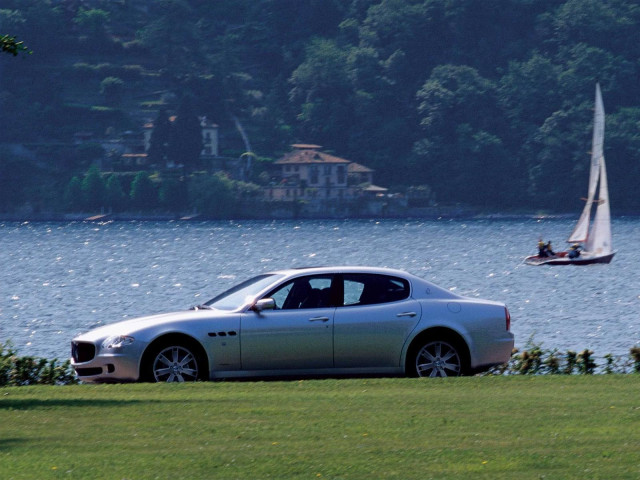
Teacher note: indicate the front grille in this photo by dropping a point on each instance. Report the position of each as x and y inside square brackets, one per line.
[82, 352]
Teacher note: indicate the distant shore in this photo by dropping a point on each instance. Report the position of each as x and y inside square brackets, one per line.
[165, 217]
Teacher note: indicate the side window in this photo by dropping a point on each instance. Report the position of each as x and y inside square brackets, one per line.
[281, 294]
[352, 291]
[370, 289]
[304, 292]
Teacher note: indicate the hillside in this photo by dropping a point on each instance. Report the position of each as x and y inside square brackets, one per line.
[449, 95]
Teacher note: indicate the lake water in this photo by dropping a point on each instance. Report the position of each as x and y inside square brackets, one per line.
[60, 279]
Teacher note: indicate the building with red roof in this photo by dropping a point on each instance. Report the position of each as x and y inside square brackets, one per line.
[307, 173]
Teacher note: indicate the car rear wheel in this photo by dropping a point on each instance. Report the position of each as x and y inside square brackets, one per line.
[174, 363]
[438, 358]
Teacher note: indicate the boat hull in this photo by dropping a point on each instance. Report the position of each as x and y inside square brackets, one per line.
[563, 259]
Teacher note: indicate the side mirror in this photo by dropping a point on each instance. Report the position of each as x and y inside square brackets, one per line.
[264, 304]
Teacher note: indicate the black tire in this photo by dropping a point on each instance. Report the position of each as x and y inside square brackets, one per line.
[439, 358]
[174, 361]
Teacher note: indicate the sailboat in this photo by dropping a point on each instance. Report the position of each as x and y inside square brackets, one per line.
[594, 234]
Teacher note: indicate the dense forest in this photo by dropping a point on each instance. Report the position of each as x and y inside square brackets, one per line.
[483, 103]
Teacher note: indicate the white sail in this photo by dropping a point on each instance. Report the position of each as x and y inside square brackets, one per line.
[599, 241]
[580, 232]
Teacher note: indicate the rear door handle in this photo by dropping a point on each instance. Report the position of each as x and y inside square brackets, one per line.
[406, 314]
[319, 319]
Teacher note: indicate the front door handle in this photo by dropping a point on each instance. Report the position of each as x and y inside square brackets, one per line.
[319, 319]
[406, 314]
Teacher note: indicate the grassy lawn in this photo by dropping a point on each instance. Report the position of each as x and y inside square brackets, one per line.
[551, 427]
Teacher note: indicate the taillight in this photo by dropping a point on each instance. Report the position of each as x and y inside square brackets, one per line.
[507, 317]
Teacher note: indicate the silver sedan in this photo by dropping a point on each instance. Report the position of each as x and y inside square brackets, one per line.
[311, 321]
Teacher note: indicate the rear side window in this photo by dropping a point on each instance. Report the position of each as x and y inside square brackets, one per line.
[370, 289]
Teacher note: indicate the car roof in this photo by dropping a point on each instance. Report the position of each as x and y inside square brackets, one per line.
[343, 269]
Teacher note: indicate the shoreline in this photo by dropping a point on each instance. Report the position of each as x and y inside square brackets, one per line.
[138, 217]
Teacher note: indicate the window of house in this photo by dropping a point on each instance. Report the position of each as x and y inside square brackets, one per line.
[313, 175]
[341, 174]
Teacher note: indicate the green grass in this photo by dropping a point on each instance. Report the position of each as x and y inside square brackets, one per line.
[551, 427]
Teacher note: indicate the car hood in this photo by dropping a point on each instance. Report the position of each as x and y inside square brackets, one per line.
[131, 327]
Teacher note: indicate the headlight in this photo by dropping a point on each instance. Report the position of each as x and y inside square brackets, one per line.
[117, 341]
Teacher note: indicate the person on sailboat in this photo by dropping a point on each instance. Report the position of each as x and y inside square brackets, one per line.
[542, 248]
[549, 250]
[574, 251]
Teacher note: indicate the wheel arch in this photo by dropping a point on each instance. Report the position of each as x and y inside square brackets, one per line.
[175, 338]
[436, 333]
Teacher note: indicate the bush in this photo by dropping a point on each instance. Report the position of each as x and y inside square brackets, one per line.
[535, 360]
[19, 371]
[212, 195]
[173, 195]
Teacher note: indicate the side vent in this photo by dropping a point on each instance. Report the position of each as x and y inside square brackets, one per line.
[222, 334]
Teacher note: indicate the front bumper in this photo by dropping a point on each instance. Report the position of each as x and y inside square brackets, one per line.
[93, 365]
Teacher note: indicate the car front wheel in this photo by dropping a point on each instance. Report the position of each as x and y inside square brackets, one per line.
[438, 358]
[174, 363]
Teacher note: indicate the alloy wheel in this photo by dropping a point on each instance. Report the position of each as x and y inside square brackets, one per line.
[438, 359]
[175, 364]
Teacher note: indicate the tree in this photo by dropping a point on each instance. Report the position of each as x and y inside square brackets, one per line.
[93, 21]
[115, 197]
[321, 92]
[561, 148]
[73, 195]
[460, 149]
[16, 174]
[93, 189]
[609, 25]
[143, 193]
[172, 34]
[160, 138]
[530, 91]
[186, 144]
[623, 142]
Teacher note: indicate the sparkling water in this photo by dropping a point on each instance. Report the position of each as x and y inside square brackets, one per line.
[60, 279]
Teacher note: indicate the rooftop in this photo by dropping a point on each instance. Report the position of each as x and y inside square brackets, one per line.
[308, 154]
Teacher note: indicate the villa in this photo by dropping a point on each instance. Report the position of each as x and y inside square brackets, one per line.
[307, 173]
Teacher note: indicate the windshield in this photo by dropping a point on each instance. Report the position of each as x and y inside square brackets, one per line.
[246, 291]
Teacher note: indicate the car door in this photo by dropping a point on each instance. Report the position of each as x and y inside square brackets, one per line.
[298, 334]
[376, 317]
